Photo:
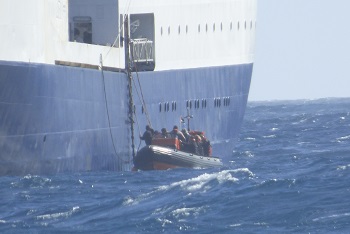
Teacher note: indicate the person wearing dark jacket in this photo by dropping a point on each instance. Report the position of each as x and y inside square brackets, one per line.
[147, 135]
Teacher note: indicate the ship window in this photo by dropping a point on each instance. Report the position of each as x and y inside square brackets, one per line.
[245, 24]
[251, 24]
[161, 31]
[187, 104]
[160, 107]
[231, 26]
[213, 27]
[186, 29]
[82, 31]
[167, 106]
[169, 30]
[204, 103]
[190, 104]
[179, 29]
[238, 25]
[206, 27]
[221, 26]
[199, 28]
[226, 101]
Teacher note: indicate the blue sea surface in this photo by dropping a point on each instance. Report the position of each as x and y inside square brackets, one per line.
[289, 172]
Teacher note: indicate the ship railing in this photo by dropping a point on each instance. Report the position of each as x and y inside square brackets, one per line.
[142, 50]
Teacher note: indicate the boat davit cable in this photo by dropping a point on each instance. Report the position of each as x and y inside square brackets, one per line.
[142, 99]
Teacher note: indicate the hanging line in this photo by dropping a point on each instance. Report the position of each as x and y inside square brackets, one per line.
[142, 99]
[119, 30]
[107, 109]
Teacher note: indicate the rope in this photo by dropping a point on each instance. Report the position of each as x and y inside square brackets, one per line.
[108, 116]
[119, 30]
[142, 99]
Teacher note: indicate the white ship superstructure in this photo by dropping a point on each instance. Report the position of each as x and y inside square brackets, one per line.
[184, 33]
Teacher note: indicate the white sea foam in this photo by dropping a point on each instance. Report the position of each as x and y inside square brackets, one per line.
[344, 138]
[249, 154]
[185, 212]
[59, 214]
[250, 138]
[343, 167]
[201, 183]
[270, 136]
[335, 216]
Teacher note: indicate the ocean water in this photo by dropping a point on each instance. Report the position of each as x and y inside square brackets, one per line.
[289, 172]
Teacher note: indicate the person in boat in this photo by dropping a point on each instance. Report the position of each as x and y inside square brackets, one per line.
[165, 133]
[199, 145]
[175, 133]
[206, 147]
[192, 145]
[147, 135]
[186, 134]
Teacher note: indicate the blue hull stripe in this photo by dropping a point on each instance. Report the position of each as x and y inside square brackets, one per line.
[54, 118]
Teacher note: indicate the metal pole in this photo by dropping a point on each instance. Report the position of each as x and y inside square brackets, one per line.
[128, 71]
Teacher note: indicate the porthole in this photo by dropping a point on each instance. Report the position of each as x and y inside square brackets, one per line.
[231, 26]
[187, 104]
[206, 27]
[238, 25]
[186, 29]
[169, 30]
[179, 30]
[160, 107]
[161, 31]
[199, 28]
[167, 106]
[251, 24]
[190, 104]
[213, 27]
[221, 26]
[245, 24]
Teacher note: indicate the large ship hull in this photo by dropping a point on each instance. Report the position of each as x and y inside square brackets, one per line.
[66, 119]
